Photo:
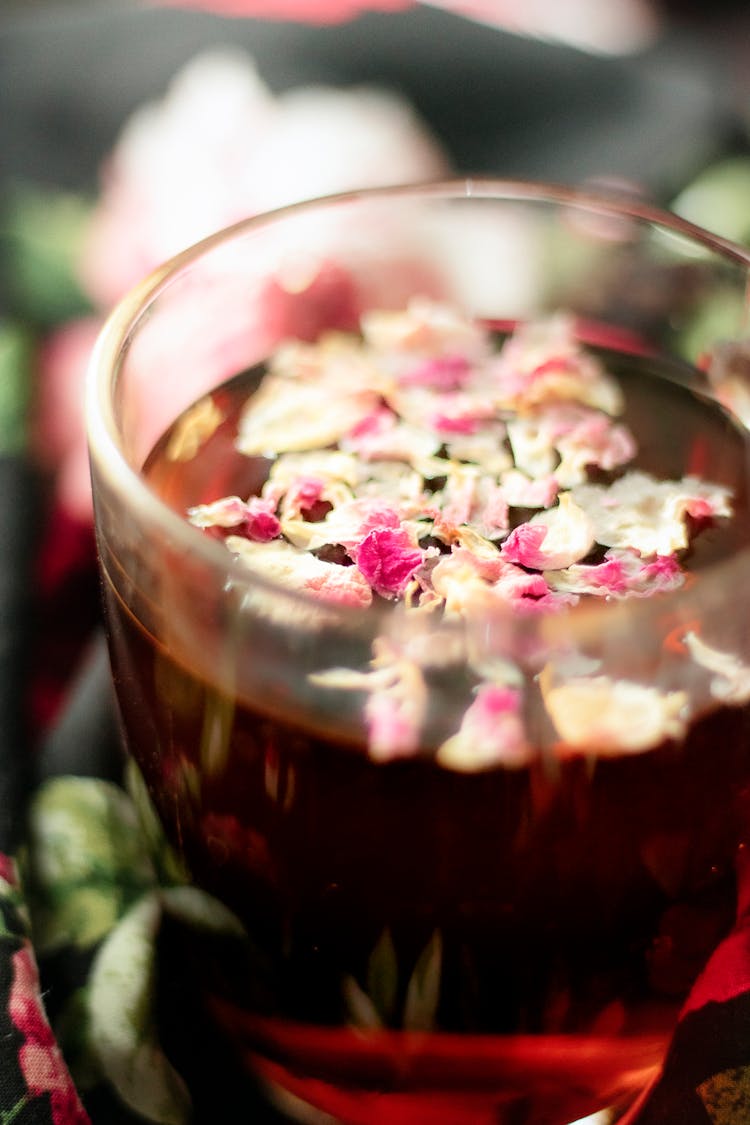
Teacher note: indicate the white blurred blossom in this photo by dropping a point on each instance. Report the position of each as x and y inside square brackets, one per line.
[220, 146]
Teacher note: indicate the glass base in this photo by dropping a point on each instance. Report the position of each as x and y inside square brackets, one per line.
[297, 1110]
[343, 1076]
[432, 1108]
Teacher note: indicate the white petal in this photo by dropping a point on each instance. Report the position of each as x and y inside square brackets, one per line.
[287, 415]
[570, 533]
[608, 717]
[732, 676]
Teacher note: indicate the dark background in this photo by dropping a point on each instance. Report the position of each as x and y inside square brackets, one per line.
[70, 73]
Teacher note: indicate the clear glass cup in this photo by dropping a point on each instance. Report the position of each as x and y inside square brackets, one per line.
[454, 939]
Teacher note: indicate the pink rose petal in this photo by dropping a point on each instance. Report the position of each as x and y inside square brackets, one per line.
[261, 522]
[391, 732]
[303, 494]
[523, 546]
[388, 560]
[491, 733]
[443, 373]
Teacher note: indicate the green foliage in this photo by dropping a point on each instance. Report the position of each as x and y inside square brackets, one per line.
[123, 1032]
[42, 231]
[717, 199]
[16, 356]
[87, 861]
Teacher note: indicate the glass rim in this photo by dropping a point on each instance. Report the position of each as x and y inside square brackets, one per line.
[120, 325]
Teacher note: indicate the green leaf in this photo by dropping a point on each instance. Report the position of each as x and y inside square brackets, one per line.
[16, 351]
[168, 864]
[717, 199]
[122, 1019]
[360, 1008]
[382, 976]
[87, 861]
[73, 1033]
[216, 736]
[201, 911]
[42, 233]
[423, 991]
[721, 316]
[8, 1116]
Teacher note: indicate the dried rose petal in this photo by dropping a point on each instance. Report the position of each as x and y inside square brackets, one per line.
[328, 464]
[303, 494]
[425, 328]
[458, 412]
[255, 517]
[485, 447]
[456, 500]
[491, 733]
[543, 361]
[533, 452]
[731, 681]
[388, 560]
[649, 515]
[347, 525]
[396, 703]
[287, 415]
[469, 582]
[283, 563]
[494, 516]
[230, 511]
[592, 439]
[603, 716]
[622, 573]
[391, 730]
[521, 491]
[380, 435]
[261, 522]
[404, 455]
[376, 514]
[458, 581]
[515, 584]
[441, 372]
[553, 539]
[479, 554]
[454, 424]
[566, 439]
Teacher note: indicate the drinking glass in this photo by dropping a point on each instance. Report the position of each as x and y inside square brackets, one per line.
[472, 934]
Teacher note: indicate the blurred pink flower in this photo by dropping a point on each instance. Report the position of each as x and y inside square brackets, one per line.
[221, 146]
[313, 11]
[218, 147]
[617, 27]
[58, 440]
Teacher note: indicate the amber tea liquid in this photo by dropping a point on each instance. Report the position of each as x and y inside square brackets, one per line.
[425, 941]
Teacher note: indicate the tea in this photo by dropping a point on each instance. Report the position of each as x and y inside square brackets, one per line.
[431, 935]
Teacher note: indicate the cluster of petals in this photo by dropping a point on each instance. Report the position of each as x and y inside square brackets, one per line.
[396, 699]
[621, 573]
[544, 362]
[613, 716]
[648, 515]
[421, 463]
[254, 517]
[492, 733]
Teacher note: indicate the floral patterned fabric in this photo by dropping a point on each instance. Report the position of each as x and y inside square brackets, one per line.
[35, 1085]
[101, 886]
